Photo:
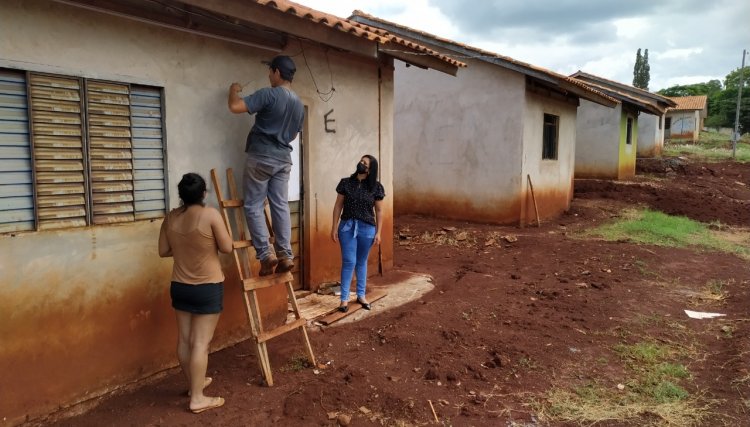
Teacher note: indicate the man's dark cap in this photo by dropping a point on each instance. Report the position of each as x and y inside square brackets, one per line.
[284, 64]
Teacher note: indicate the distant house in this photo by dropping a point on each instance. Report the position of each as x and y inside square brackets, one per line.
[607, 137]
[103, 107]
[465, 147]
[685, 120]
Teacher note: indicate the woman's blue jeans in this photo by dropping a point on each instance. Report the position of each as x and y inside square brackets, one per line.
[356, 238]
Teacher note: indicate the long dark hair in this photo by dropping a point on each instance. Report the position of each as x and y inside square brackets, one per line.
[192, 188]
[372, 173]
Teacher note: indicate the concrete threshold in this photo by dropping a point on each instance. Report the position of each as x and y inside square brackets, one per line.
[399, 287]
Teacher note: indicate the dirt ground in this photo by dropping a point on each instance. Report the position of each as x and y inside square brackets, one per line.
[507, 323]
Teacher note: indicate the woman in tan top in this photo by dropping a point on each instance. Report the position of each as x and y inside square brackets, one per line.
[193, 234]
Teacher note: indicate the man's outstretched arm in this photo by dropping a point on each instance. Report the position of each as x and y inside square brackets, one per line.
[234, 101]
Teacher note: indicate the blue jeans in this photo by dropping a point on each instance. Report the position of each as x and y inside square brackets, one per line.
[268, 177]
[356, 238]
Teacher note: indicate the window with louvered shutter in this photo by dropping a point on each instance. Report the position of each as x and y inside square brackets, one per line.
[75, 152]
[148, 152]
[16, 185]
[110, 152]
[57, 137]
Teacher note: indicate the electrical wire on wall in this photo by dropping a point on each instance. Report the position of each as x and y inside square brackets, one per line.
[324, 96]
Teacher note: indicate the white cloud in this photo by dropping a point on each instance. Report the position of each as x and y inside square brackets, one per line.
[630, 28]
[683, 53]
[596, 37]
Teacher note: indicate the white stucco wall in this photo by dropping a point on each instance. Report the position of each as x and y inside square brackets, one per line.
[597, 140]
[45, 274]
[552, 179]
[458, 142]
[650, 135]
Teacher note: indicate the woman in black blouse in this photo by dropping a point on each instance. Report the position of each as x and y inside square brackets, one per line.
[357, 229]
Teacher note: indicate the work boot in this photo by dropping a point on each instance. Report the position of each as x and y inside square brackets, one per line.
[267, 265]
[286, 264]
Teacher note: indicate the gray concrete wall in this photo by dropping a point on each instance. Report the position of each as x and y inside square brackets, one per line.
[87, 310]
[458, 142]
[597, 140]
[552, 180]
[650, 135]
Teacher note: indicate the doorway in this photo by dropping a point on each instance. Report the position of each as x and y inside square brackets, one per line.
[296, 211]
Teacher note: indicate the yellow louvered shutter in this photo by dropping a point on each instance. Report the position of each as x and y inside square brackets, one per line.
[57, 135]
[110, 152]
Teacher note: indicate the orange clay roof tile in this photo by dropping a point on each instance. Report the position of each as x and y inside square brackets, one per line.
[689, 102]
[347, 26]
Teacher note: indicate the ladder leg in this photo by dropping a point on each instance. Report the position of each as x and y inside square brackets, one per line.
[303, 328]
[265, 364]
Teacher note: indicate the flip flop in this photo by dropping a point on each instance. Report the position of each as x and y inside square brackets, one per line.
[207, 382]
[217, 402]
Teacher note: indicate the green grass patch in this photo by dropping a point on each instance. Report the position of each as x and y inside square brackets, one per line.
[712, 146]
[297, 363]
[644, 226]
[651, 394]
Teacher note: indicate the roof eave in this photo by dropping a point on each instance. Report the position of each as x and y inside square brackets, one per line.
[461, 50]
[588, 94]
[413, 57]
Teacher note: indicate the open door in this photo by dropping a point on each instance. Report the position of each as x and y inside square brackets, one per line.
[296, 212]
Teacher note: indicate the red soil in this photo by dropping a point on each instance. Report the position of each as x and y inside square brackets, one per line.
[506, 323]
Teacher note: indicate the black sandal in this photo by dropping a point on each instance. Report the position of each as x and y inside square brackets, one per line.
[343, 308]
[365, 305]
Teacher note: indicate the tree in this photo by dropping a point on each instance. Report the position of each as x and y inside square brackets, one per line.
[641, 70]
[645, 72]
[637, 68]
[709, 88]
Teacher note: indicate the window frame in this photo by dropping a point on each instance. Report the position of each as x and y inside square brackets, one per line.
[550, 141]
[629, 123]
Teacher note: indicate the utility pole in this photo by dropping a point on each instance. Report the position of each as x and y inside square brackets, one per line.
[736, 136]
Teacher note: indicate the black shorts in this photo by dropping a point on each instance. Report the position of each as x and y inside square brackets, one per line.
[197, 299]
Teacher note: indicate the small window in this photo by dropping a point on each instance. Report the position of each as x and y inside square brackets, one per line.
[549, 137]
[629, 131]
[77, 152]
[668, 123]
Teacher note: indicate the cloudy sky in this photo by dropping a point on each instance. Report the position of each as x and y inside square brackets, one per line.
[689, 41]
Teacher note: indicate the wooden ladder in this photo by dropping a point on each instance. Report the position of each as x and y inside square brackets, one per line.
[241, 245]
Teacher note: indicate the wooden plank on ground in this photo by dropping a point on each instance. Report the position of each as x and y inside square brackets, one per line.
[316, 305]
[353, 307]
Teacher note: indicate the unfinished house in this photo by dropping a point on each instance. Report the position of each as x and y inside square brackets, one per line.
[684, 120]
[607, 138]
[472, 147]
[103, 107]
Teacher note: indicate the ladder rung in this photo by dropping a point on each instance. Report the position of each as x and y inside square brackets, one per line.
[239, 244]
[254, 283]
[265, 336]
[232, 203]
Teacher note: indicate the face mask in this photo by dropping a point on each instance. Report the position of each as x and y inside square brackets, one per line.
[361, 168]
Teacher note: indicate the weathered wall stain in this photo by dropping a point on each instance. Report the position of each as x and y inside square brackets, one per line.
[502, 210]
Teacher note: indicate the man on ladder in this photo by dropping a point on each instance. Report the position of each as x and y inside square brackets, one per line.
[279, 115]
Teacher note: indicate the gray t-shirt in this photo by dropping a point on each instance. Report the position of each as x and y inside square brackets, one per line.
[279, 114]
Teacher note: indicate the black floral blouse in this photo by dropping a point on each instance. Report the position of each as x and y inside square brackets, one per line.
[359, 202]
